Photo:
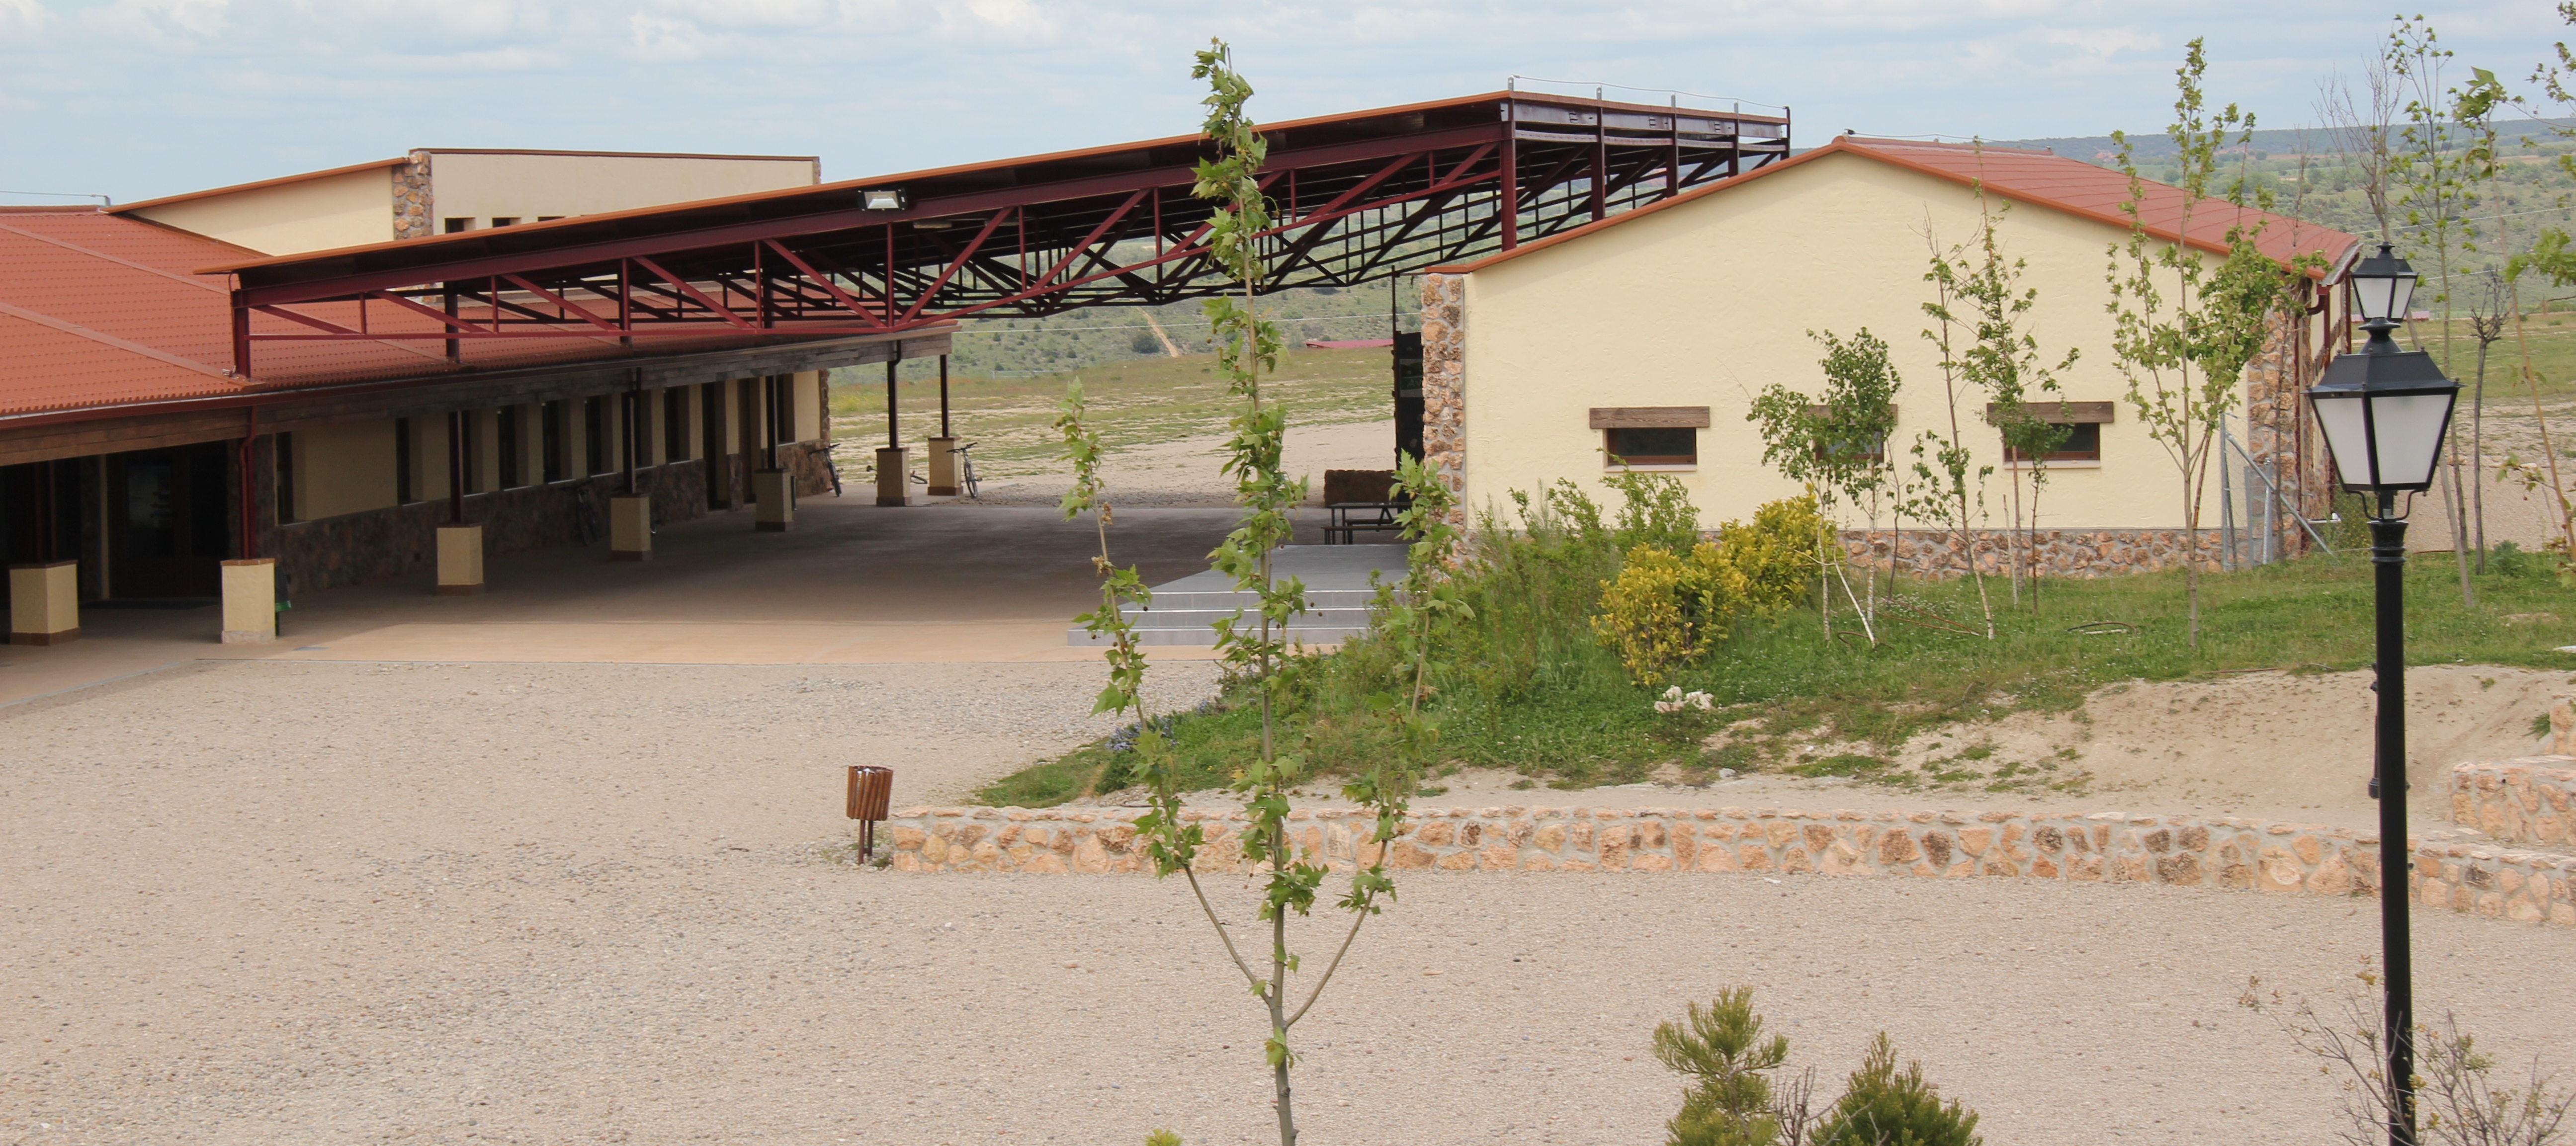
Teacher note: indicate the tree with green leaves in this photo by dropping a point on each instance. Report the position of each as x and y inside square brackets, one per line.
[2431, 175]
[1720, 1048]
[1835, 443]
[2551, 255]
[1291, 877]
[2003, 361]
[1949, 486]
[2182, 330]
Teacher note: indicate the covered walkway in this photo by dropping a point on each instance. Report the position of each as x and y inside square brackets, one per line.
[853, 584]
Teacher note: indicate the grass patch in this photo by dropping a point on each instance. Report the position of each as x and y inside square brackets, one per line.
[1527, 687]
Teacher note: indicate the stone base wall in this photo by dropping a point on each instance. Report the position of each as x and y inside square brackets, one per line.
[2530, 801]
[2109, 847]
[381, 544]
[2061, 552]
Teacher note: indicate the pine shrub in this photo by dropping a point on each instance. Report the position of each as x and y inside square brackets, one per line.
[1885, 1108]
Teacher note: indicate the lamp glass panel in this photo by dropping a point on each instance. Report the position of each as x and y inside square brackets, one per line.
[2372, 294]
[2346, 438]
[2404, 297]
[2410, 434]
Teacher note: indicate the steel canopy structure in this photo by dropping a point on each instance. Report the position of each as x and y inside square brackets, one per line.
[1359, 198]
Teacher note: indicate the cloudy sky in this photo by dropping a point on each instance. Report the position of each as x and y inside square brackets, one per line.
[138, 98]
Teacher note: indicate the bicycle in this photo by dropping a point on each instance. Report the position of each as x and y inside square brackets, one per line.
[832, 466]
[965, 467]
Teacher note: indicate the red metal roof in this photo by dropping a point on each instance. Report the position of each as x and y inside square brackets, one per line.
[100, 311]
[2040, 178]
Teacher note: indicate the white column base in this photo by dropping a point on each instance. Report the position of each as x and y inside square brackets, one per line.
[776, 493]
[630, 527]
[250, 601]
[44, 603]
[460, 560]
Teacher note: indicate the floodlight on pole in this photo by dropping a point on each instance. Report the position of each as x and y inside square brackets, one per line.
[884, 199]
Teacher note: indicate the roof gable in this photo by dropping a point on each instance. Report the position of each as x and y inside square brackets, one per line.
[2039, 178]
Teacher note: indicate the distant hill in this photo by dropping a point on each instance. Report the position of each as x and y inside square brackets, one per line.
[2154, 146]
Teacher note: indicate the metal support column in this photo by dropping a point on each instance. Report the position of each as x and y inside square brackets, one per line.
[943, 397]
[456, 467]
[894, 434]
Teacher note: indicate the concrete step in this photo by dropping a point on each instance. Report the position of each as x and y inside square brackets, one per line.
[1204, 637]
[1315, 598]
[1202, 618]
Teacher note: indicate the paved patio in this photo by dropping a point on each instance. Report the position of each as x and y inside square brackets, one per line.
[851, 584]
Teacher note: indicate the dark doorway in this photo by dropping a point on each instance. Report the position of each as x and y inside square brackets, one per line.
[719, 467]
[1408, 396]
[166, 522]
[40, 512]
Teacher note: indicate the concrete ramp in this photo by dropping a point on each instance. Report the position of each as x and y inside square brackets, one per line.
[1337, 598]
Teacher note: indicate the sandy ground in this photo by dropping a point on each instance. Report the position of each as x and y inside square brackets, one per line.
[284, 902]
[1185, 473]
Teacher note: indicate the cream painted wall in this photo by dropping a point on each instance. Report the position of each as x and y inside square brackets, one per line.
[344, 468]
[483, 185]
[312, 215]
[483, 429]
[429, 458]
[1707, 303]
[807, 390]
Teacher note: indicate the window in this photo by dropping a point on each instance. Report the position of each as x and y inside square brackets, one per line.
[550, 438]
[2082, 421]
[1653, 445]
[548, 218]
[1650, 435]
[403, 494]
[675, 424]
[505, 220]
[286, 479]
[2083, 444]
[508, 444]
[1857, 450]
[594, 435]
[453, 226]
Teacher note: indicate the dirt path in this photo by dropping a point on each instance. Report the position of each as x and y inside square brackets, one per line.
[324, 903]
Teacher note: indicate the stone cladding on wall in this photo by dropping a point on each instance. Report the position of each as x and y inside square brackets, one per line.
[2062, 552]
[1444, 381]
[415, 209]
[2529, 801]
[2450, 869]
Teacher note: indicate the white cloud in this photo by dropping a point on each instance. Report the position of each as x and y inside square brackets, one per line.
[662, 39]
[2103, 43]
[25, 14]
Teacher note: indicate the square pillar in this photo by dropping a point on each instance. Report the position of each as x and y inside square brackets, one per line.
[943, 468]
[776, 495]
[44, 603]
[630, 527]
[892, 474]
[250, 601]
[460, 560]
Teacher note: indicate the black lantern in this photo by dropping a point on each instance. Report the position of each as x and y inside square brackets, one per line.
[2384, 410]
[2382, 286]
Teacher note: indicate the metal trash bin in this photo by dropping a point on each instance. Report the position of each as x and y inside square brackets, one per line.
[871, 788]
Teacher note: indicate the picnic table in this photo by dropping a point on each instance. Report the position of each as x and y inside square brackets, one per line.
[1347, 519]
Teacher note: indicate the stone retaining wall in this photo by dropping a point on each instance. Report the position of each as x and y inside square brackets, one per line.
[2108, 846]
[2062, 552]
[2523, 801]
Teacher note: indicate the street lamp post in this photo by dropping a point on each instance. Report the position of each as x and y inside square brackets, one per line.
[2383, 412]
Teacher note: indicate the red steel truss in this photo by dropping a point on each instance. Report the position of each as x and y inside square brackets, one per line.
[1358, 198]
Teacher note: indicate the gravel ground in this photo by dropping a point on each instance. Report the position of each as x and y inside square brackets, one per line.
[337, 903]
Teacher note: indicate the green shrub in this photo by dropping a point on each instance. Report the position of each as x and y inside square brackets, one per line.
[1779, 555]
[1885, 1108]
[1665, 611]
[1722, 1050]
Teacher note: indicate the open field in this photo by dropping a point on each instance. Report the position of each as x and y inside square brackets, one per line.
[1151, 413]
[325, 903]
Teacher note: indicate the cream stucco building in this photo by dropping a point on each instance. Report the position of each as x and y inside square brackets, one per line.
[1649, 334]
[446, 190]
